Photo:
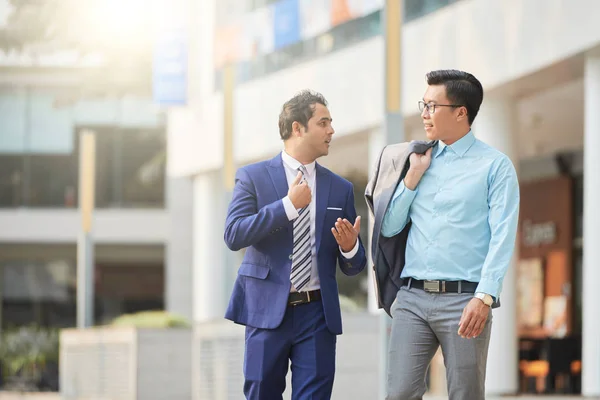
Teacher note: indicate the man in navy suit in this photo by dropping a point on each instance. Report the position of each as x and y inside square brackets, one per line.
[296, 220]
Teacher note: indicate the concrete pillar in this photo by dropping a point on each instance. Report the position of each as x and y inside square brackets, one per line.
[179, 248]
[209, 283]
[590, 374]
[494, 125]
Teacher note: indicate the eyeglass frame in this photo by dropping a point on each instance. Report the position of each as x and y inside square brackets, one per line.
[433, 105]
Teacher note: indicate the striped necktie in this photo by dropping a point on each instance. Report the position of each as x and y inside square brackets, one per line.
[302, 253]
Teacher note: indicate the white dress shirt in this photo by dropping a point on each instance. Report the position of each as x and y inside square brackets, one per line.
[291, 165]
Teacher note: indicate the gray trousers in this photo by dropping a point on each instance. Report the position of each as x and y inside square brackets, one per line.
[421, 322]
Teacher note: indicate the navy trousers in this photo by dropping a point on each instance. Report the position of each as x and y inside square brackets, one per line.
[302, 339]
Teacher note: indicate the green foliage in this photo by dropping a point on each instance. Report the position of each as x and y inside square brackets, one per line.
[151, 319]
[26, 349]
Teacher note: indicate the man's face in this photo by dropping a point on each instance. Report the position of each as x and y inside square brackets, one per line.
[440, 124]
[316, 137]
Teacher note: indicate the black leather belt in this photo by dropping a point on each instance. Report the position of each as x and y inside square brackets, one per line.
[442, 286]
[297, 298]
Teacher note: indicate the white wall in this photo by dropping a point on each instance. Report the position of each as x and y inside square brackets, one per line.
[62, 226]
[497, 41]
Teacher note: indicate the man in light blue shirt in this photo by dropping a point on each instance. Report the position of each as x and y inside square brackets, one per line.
[462, 200]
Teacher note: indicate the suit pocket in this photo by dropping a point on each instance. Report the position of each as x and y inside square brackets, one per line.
[331, 215]
[254, 271]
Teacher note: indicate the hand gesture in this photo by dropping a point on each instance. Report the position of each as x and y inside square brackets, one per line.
[420, 162]
[299, 192]
[346, 234]
[418, 165]
[473, 319]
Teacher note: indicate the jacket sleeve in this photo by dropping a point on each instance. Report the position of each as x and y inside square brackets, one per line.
[370, 190]
[354, 265]
[245, 224]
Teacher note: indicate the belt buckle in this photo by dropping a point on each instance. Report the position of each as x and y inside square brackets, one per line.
[301, 301]
[431, 286]
[296, 302]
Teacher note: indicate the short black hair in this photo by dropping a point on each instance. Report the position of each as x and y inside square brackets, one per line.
[461, 88]
[299, 108]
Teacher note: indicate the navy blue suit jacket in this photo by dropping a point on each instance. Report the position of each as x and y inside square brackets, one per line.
[256, 220]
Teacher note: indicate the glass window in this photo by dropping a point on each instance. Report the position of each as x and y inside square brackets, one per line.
[39, 153]
[44, 292]
[50, 126]
[143, 155]
[13, 105]
[38, 292]
[11, 180]
[414, 9]
[53, 181]
[106, 165]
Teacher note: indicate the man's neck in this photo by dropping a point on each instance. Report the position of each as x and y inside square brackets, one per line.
[457, 137]
[298, 156]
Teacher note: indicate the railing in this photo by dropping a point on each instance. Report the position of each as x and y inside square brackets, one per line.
[305, 49]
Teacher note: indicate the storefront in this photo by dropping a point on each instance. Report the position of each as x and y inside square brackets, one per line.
[549, 293]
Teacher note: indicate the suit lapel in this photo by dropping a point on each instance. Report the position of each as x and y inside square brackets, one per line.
[323, 185]
[277, 174]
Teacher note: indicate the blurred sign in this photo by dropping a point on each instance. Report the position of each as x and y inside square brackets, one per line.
[286, 23]
[169, 78]
[340, 12]
[257, 37]
[315, 17]
[227, 45]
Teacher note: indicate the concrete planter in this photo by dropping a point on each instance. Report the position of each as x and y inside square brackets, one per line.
[126, 363]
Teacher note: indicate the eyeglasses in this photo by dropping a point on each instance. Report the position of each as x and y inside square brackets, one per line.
[431, 106]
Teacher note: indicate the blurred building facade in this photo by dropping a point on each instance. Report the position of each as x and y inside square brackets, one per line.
[42, 111]
[541, 74]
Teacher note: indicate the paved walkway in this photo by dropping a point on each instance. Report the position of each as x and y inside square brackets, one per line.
[522, 397]
[29, 396]
[56, 396]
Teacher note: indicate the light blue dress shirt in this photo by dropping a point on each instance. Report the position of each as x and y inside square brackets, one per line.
[464, 215]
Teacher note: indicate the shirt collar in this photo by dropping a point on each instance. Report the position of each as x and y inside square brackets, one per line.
[292, 163]
[460, 147]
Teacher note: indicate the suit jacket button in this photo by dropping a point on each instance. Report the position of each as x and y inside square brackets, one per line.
[291, 256]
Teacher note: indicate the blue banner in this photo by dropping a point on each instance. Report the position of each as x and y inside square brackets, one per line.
[286, 23]
[169, 77]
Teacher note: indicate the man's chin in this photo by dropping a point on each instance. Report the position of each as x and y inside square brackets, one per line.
[430, 135]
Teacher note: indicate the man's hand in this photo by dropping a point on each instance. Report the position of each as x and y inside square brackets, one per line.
[346, 234]
[299, 193]
[419, 163]
[473, 319]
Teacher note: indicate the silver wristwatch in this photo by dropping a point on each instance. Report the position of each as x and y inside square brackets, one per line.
[486, 298]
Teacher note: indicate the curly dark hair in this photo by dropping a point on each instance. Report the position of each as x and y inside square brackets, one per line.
[299, 108]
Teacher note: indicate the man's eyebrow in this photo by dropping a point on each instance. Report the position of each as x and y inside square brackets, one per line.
[325, 119]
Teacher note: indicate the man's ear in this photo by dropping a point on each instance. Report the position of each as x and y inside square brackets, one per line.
[296, 128]
[462, 114]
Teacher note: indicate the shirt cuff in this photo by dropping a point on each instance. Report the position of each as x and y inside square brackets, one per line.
[402, 188]
[352, 252]
[489, 287]
[290, 210]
